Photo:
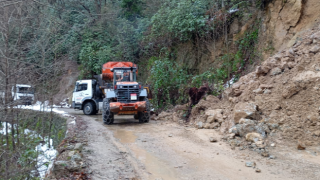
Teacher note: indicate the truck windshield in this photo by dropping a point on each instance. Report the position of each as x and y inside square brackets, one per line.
[124, 76]
[25, 90]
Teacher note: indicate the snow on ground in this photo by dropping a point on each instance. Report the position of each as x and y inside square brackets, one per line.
[46, 153]
[229, 83]
[46, 156]
[42, 106]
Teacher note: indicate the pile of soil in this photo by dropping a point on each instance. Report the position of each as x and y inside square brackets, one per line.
[279, 100]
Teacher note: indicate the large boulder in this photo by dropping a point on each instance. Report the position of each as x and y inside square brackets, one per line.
[245, 110]
[215, 115]
[291, 12]
[253, 137]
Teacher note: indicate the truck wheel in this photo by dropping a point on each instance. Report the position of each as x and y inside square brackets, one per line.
[107, 115]
[136, 116]
[145, 116]
[89, 108]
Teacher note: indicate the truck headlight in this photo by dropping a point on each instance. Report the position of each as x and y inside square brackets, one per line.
[134, 86]
[120, 87]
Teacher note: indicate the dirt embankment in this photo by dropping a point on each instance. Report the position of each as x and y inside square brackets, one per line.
[276, 104]
[67, 81]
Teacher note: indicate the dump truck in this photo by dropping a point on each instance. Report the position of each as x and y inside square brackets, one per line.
[22, 94]
[113, 92]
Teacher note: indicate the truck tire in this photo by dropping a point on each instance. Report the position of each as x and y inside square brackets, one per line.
[145, 116]
[89, 108]
[107, 115]
[136, 116]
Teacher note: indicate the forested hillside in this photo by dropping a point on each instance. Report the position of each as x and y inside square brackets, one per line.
[177, 44]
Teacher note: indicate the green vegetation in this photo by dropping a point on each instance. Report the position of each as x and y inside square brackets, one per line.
[32, 129]
[93, 32]
[169, 82]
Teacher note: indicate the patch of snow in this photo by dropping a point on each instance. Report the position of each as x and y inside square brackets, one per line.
[233, 10]
[46, 156]
[39, 106]
[73, 122]
[229, 83]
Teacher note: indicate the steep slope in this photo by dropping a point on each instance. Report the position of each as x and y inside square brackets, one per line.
[279, 102]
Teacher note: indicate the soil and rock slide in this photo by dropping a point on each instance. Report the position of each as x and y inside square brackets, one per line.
[275, 106]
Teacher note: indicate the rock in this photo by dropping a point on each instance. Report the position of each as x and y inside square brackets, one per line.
[301, 146]
[260, 144]
[235, 129]
[306, 76]
[70, 147]
[231, 136]
[258, 170]
[245, 110]
[214, 115]
[273, 126]
[60, 165]
[250, 164]
[246, 121]
[237, 92]
[265, 154]
[76, 157]
[78, 146]
[289, 91]
[267, 91]
[214, 125]
[276, 71]
[265, 86]
[273, 145]
[207, 126]
[315, 49]
[272, 157]
[258, 91]
[213, 139]
[253, 137]
[291, 51]
[291, 13]
[170, 135]
[316, 133]
[199, 125]
[73, 166]
[71, 153]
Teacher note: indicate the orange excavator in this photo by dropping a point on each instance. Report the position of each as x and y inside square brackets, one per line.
[116, 91]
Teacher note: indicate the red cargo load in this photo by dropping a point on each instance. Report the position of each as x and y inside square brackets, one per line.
[106, 68]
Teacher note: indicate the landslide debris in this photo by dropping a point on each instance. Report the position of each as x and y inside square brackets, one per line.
[278, 102]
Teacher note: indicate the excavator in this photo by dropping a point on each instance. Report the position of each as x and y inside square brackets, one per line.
[114, 92]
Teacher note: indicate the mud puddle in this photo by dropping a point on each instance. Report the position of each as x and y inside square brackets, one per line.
[124, 136]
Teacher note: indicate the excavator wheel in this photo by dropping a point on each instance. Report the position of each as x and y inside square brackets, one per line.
[145, 116]
[107, 115]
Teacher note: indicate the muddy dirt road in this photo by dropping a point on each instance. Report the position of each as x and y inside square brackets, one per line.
[167, 151]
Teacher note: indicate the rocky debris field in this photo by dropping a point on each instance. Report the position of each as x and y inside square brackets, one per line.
[278, 103]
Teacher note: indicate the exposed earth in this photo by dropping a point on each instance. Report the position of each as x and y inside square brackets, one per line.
[167, 150]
